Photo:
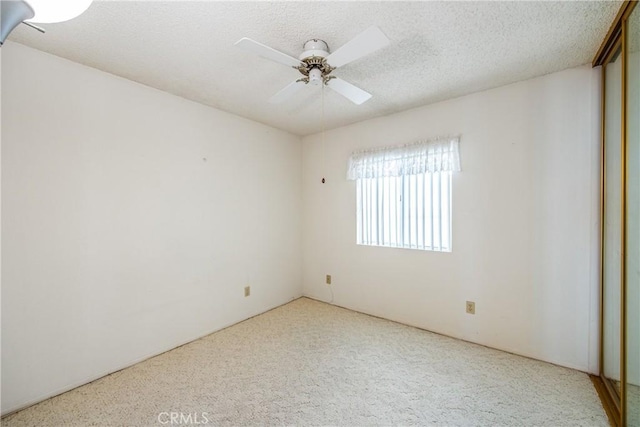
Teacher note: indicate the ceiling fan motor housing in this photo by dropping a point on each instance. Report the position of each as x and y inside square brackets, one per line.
[315, 47]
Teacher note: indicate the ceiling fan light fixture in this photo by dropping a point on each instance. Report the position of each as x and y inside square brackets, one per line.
[315, 76]
[48, 11]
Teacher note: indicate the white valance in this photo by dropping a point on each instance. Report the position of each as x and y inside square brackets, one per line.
[437, 155]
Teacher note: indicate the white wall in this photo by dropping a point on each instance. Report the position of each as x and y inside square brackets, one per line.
[119, 241]
[525, 221]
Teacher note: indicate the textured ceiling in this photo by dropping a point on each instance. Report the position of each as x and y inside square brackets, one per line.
[438, 50]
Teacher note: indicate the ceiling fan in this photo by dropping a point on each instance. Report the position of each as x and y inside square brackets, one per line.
[316, 63]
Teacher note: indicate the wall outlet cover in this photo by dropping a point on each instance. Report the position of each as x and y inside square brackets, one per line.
[471, 307]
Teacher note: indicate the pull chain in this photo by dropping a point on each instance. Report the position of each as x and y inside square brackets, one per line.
[323, 145]
[325, 203]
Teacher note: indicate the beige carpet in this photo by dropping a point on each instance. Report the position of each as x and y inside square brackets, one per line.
[310, 363]
[633, 405]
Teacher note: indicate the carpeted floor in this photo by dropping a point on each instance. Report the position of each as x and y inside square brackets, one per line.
[310, 363]
[633, 405]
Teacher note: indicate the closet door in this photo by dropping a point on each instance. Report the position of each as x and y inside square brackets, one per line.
[632, 229]
[612, 230]
[619, 381]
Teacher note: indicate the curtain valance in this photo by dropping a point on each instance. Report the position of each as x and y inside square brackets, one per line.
[437, 155]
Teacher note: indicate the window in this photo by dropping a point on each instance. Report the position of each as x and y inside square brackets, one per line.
[412, 211]
[404, 195]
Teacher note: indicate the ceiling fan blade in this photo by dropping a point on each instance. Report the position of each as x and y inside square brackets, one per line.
[267, 52]
[361, 45]
[349, 91]
[286, 92]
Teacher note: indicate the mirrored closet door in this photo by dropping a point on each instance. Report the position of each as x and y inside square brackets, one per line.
[612, 216]
[619, 380]
[632, 252]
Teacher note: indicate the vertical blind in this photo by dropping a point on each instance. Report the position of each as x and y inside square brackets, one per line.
[404, 194]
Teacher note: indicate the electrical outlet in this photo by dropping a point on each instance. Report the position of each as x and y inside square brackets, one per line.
[247, 291]
[328, 280]
[471, 307]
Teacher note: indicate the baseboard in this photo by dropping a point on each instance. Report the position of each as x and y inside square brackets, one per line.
[135, 362]
[583, 369]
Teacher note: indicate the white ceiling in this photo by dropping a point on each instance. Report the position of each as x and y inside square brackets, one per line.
[439, 50]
